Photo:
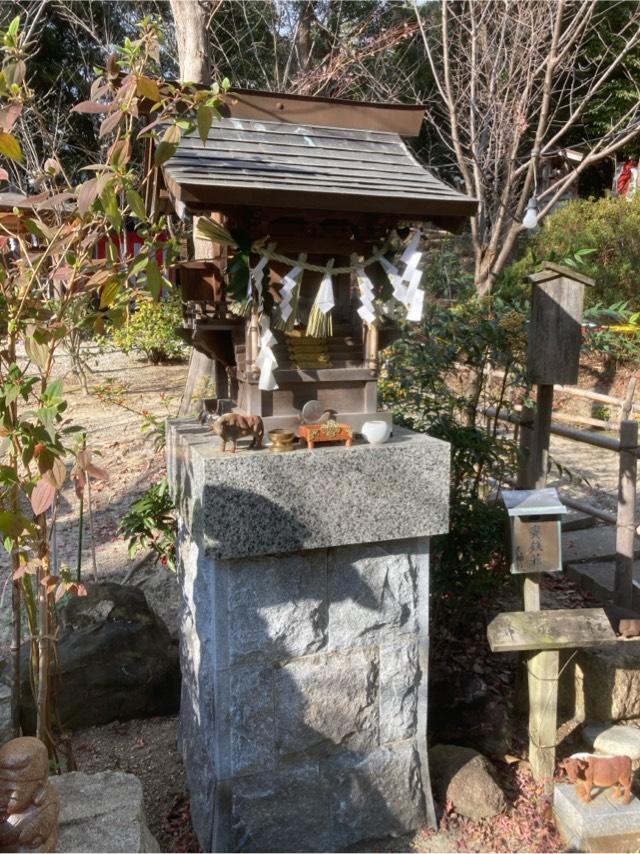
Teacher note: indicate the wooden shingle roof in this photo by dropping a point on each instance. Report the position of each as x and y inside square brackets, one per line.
[277, 164]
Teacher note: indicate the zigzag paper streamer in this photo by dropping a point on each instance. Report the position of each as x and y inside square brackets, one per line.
[256, 275]
[367, 308]
[266, 359]
[289, 284]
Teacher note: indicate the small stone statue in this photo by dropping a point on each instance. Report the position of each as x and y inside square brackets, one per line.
[587, 770]
[29, 803]
[233, 426]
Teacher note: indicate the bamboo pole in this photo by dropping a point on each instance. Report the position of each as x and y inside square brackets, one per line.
[625, 526]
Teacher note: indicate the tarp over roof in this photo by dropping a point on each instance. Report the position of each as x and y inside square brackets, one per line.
[275, 164]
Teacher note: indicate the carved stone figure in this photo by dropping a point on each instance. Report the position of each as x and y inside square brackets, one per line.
[234, 426]
[587, 770]
[29, 803]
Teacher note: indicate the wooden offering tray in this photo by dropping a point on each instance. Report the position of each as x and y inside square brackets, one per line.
[327, 431]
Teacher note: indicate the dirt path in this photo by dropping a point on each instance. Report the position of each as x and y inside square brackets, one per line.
[114, 435]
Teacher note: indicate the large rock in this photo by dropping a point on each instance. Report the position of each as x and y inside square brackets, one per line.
[465, 777]
[117, 661]
[102, 812]
[162, 591]
[602, 683]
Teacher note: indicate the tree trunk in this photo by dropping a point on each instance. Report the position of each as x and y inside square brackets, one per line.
[303, 36]
[190, 18]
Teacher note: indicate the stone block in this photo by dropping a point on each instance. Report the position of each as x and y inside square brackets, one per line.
[602, 683]
[287, 810]
[102, 812]
[604, 824]
[256, 502]
[328, 701]
[376, 795]
[277, 606]
[304, 638]
[252, 719]
[399, 681]
[615, 740]
[372, 593]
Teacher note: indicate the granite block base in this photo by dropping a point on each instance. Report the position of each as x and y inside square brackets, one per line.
[304, 638]
[606, 823]
[303, 715]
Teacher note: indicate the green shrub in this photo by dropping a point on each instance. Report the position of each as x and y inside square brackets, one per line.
[151, 331]
[419, 383]
[151, 523]
[610, 227]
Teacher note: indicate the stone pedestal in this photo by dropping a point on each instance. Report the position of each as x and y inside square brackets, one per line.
[606, 823]
[304, 638]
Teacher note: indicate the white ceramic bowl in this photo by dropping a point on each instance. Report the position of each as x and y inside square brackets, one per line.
[376, 432]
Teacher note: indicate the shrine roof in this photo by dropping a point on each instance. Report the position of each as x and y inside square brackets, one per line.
[282, 165]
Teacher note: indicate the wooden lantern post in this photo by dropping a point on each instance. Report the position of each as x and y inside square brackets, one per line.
[555, 338]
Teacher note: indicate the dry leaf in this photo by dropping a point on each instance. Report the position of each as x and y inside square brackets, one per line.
[42, 496]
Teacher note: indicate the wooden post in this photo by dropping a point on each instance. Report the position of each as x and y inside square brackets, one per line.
[252, 343]
[524, 446]
[543, 669]
[626, 409]
[371, 347]
[541, 434]
[626, 518]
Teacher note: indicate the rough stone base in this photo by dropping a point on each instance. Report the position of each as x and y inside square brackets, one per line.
[304, 696]
[602, 683]
[102, 812]
[604, 824]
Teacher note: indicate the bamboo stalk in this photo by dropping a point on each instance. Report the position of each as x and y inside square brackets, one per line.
[91, 534]
[81, 525]
[43, 694]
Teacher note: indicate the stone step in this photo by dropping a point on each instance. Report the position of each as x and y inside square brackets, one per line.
[576, 521]
[593, 544]
[597, 578]
[617, 740]
[598, 543]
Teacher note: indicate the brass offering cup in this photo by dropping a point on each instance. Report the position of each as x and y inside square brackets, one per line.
[281, 439]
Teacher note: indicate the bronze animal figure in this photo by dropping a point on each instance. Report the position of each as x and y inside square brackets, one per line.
[587, 770]
[235, 425]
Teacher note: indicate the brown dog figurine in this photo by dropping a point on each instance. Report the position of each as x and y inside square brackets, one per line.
[29, 803]
[235, 425]
[587, 770]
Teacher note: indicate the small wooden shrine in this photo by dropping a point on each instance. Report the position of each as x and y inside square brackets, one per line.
[313, 181]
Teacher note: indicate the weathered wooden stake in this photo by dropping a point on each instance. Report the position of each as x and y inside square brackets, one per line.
[541, 434]
[626, 519]
[543, 670]
[524, 447]
[542, 677]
